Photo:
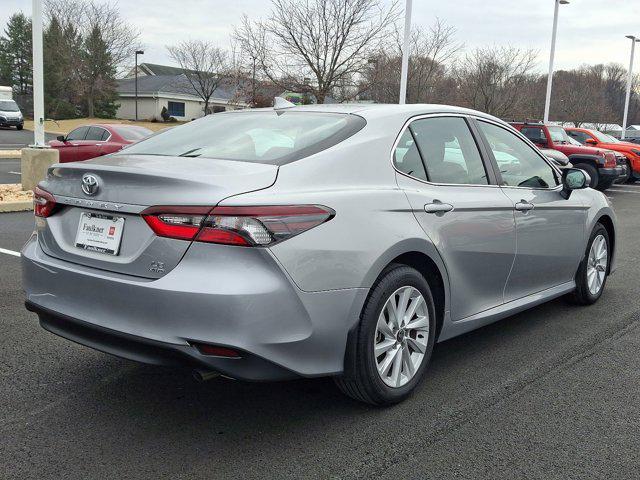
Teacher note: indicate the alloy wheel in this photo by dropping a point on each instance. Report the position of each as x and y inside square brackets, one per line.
[402, 336]
[597, 264]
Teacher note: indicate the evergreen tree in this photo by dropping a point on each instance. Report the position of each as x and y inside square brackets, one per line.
[98, 75]
[15, 54]
[60, 70]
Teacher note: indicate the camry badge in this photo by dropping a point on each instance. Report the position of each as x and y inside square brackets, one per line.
[89, 184]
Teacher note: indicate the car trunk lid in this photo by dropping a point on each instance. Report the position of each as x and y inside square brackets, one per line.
[126, 186]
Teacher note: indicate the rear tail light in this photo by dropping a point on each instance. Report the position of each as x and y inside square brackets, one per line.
[44, 203]
[242, 226]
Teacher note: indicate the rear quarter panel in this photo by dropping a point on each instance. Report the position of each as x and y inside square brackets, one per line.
[373, 223]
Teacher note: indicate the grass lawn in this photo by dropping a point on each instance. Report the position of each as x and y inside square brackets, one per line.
[62, 127]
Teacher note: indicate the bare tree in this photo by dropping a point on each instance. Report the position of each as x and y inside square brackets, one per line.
[430, 51]
[580, 96]
[314, 46]
[205, 67]
[493, 79]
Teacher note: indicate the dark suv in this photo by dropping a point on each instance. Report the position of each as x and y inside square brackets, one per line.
[600, 164]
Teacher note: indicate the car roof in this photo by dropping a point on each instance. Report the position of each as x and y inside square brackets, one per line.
[377, 110]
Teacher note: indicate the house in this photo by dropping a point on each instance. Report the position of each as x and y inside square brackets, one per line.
[165, 86]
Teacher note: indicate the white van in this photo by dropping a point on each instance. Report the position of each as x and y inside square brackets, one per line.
[10, 114]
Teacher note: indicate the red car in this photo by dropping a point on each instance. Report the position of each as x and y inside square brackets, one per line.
[595, 138]
[600, 164]
[90, 141]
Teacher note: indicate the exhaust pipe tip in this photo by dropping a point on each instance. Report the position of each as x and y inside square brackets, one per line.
[204, 375]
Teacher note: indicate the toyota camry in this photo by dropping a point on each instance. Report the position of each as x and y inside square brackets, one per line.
[324, 240]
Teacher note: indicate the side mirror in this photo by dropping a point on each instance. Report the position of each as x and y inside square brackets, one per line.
[574, 179]
[590, 141]
[61, 138]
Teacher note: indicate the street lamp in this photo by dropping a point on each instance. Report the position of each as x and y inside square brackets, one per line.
[404, 73]
[547, 101]
[138, 52]
[629, 81]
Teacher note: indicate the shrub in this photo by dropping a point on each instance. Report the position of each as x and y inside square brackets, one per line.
[165, 114]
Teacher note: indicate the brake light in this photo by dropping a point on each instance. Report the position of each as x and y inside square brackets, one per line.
[241, 226]
[44, 203]
[182, 223]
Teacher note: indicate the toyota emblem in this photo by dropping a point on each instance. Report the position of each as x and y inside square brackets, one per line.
[89, 184]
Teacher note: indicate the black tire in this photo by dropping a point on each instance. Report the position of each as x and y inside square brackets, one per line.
[582, 295]
[361, 380]
[593, 173]
[19, 127]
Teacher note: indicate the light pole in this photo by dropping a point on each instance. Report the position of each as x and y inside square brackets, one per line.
[547, 102]
[404, 73]
[138, 52]
[629, 82]
[253, 84]
[38, 76]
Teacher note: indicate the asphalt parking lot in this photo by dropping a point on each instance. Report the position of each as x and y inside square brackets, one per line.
[551, 393]
[10, 170]
[11, 139]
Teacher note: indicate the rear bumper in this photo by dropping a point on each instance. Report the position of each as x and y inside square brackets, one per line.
[144, 350]
[229, 296]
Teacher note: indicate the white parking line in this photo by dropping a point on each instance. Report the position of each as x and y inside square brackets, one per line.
[618, 190]
[16, 173]
[9, 252]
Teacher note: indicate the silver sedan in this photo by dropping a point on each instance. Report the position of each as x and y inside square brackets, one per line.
[312, 241]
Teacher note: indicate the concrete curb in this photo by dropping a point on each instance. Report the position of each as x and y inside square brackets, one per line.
[21, 206]
[10, 154]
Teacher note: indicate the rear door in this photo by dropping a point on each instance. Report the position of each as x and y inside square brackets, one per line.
[550, 229]
[461, 209]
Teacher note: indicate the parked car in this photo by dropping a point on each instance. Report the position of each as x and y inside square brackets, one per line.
[90, 141]
[10, 114]
[600, 164]
[594, 138]
[312, 241]
[621, 161]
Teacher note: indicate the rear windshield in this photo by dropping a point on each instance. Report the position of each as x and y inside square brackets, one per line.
[9, 106]
[132, 133]
[268, 137]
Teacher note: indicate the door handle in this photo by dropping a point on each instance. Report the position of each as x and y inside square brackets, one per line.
[524, 206]
[438, 207]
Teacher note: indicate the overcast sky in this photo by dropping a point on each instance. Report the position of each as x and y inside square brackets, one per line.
[590, 31]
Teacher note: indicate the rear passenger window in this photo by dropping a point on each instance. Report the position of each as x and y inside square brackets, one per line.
[407, 157]
[96, 134]
[449, 151]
